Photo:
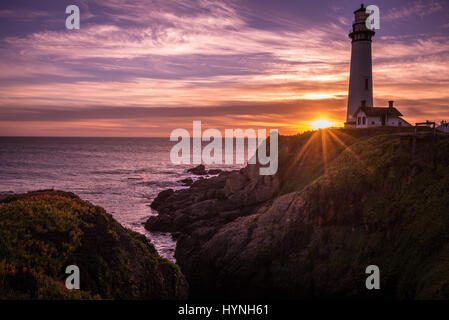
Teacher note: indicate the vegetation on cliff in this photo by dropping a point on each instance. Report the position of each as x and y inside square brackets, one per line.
[375, 203]
[45, 231]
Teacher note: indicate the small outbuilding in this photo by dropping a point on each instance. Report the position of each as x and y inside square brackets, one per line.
[367, 117]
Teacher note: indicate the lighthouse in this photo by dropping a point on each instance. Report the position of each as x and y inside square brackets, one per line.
[361, 78]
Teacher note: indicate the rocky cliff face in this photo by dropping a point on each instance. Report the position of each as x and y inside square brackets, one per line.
[232, 194]
[43, 232]
[362, 198]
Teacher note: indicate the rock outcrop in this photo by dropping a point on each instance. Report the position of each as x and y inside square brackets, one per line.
[43, 232]
[362, 198]
[210, 203]
[200, 170]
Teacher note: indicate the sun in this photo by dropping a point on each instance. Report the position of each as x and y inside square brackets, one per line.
[320, 124]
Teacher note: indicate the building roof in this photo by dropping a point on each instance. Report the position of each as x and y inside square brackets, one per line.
[407, 122]
[378, 112]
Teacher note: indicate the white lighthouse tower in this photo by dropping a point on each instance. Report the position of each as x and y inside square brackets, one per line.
[361, 78]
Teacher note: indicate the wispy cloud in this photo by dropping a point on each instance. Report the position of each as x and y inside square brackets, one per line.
[416, 8]
[24, 15]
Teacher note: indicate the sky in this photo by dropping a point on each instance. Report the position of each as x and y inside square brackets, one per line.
[145, 68]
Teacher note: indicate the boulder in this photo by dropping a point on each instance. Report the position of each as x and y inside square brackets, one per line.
[186, 182]
[198, 170]
[161, 197]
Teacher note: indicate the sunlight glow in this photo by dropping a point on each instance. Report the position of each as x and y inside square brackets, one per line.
[321, 124]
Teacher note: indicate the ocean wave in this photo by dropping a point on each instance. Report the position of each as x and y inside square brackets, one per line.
[120, 171]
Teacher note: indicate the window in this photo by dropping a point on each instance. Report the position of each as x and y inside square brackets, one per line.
[372, 122]
[366, 84]
[358, 120]
[400, 124]
[364, 120]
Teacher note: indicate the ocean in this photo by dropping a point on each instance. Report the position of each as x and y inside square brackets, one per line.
[122, 175]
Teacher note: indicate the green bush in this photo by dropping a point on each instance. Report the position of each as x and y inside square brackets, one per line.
[43, 232]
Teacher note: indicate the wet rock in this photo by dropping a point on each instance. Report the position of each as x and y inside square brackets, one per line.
[214, 171]
[186, 182]
[161, 197]
[198, 170]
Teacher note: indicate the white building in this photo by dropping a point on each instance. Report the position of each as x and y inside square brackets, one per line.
[367, 117]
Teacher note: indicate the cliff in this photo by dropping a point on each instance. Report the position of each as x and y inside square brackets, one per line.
[45, 231]
[342, 200]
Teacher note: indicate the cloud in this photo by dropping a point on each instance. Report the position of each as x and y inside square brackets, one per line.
[157, 64]
[237, 108]
[160, 121]
[174, 36]
[23, 15]
[416, 8]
